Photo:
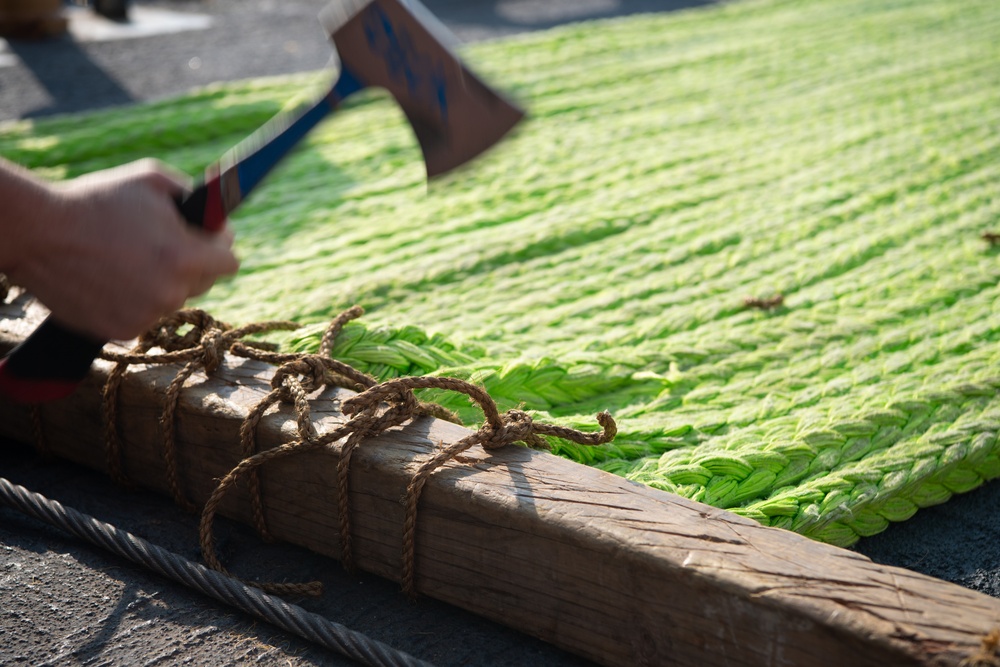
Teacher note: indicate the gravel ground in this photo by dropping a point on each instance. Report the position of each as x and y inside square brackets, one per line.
[64, 602]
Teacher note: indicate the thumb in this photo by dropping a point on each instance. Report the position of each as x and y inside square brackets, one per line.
[213, 255]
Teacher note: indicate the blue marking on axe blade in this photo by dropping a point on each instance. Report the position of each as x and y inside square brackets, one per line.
[424, 79]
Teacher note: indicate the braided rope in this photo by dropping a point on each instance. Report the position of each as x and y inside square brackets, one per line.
[674, 165]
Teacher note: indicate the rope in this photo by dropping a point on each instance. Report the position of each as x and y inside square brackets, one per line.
[372, 412]
[200, 347]
[199, 342]
[288, 617]
[600, 260]
[987, 655]
[497, 431]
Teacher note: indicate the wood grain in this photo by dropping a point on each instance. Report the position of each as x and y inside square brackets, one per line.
[605, 568]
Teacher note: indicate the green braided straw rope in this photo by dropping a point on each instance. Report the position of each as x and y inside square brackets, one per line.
[842, 153]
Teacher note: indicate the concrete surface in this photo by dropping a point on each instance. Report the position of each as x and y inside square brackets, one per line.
[63, 602]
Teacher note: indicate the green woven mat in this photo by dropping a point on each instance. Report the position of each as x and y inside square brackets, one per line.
[843, 153]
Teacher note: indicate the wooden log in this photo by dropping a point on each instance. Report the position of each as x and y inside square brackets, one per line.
[602, 567]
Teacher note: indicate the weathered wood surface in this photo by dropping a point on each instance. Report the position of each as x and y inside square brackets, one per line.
[607, 569]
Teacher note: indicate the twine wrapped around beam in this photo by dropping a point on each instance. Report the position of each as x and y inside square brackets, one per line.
[197, 340]
[202, 346]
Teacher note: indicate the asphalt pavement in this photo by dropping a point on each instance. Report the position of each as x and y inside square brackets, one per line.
[65, 602]
[170, 46]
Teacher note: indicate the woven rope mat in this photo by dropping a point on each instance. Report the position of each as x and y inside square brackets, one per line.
[843, 154]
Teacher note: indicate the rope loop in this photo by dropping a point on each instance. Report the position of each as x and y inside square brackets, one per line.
[166, 335]
[332, 331]
[609, 429]
[309, 371]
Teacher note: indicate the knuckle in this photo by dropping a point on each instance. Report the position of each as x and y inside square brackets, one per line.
[148, 165]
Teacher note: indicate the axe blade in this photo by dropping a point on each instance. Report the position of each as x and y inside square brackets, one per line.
[397, 45]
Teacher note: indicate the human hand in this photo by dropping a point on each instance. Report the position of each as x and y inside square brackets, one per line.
[109, 254]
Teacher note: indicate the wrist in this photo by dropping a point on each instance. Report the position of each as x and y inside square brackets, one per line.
[30, 211]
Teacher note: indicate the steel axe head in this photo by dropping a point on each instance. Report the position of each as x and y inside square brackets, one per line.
[399, 46]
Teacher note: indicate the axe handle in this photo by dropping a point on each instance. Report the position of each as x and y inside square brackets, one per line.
[54, 359]
[228, 182]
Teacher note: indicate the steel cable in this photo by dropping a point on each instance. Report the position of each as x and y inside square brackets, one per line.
[289, 617]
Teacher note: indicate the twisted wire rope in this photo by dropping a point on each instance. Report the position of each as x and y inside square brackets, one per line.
[225, 589]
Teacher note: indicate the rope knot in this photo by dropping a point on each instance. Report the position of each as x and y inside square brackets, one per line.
[514, 426]
[310, 370]
[396, 392]
[166, 335]
[214, 343]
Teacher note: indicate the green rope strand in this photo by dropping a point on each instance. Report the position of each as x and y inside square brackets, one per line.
[841, 153]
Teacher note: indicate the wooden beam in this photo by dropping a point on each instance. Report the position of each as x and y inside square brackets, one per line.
[602, 567]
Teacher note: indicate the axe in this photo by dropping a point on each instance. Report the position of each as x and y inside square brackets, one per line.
[393, 44]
